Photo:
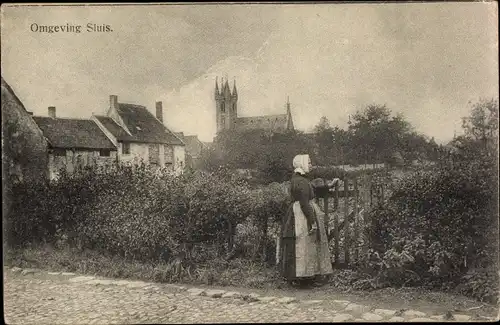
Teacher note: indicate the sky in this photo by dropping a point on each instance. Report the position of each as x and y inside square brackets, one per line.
[427, 61]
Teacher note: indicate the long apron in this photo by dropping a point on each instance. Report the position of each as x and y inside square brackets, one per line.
[305, 255]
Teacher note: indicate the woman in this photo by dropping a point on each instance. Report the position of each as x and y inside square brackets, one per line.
[304, 251]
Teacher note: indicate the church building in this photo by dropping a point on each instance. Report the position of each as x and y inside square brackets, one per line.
[226, 105]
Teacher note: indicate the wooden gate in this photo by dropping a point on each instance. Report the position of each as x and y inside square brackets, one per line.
[352, 199]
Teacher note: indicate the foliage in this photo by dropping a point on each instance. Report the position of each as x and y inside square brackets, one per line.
[440, 223]
[482, 124]
[144, 214]
[481, 283]
[438, 218]
[29, 219]
[378, 137]
[373, 136]
[270, 154]
[213, 271]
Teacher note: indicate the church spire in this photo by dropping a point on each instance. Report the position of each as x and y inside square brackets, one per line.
[289, 118]
[235, 92]
[216, 87]
[227, 90]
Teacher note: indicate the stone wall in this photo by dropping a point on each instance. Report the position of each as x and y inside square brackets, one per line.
[74, 159]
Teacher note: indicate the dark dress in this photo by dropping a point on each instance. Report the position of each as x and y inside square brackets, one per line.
[303, 254]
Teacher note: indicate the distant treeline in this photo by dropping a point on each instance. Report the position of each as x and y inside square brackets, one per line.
[373, 136]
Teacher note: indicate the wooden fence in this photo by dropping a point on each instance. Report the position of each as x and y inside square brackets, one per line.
[358, 196]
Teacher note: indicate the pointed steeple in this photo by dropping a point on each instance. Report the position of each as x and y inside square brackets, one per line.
[235, 92]
[227, 90]
[216, 87]
[289, 118]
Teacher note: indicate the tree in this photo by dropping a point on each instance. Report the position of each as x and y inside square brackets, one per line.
[377, 136]
[323, 134]
[323, 125]
[342, 148]
[482, 124]
[479, 143]
[270, 154]
[373, 133]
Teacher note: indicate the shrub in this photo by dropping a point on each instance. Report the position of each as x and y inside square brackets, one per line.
[481, 283]
[435, 226]
[28, 219]
[142, 214]
[153, 216]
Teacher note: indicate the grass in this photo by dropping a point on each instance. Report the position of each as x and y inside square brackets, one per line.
[237, 272]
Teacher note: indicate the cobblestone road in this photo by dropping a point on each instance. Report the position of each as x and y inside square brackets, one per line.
[55, 298]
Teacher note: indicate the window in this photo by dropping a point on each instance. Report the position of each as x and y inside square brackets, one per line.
[168, 154]
[234, 107]
[104, 152]
[60, 152]
[223, 120]
[79, 161]
[223, 107]
[154, 154]
[125, 148]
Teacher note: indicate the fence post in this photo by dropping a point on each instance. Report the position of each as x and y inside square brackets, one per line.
[365, 213]
[371, 193]
[264, 239]
[381, 193]
[347, 257]
[356, 224]
[368, 221]
[230, 236]
[336, 198]
[336, 226]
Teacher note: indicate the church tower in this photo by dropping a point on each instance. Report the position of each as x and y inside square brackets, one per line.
[226, 105]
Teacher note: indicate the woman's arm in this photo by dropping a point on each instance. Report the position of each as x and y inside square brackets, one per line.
[308, 212]
[332, 183]
[305, 205]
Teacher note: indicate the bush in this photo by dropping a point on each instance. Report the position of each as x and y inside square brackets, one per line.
[436, 225]
[481, 283]
[142, 214]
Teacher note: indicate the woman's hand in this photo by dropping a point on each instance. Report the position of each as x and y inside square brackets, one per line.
[333, 182]
[313, 229]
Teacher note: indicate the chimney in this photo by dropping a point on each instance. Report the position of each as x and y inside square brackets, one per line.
[52, 111]
[159, 111]
[113, 102]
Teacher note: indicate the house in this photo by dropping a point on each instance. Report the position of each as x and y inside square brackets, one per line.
[74, 143]
[194, 149]
[24, 147]
[207, 145]
[140, 136]
[226, 107]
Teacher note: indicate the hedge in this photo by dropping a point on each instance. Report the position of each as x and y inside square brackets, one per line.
[437, 227]
[138, 213]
